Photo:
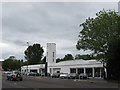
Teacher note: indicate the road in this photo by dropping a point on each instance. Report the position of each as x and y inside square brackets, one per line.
[0, 80]
[48, 82]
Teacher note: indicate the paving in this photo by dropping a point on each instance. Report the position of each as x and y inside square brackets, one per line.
[48, 82]
[0, 80]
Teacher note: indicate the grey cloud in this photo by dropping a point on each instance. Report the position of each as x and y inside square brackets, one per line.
[47, 22]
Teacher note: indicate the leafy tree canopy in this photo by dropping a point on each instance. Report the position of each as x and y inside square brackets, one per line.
[98, 33]
[58, 60]
[34, 54]
[11, 63]
[84, 57]
[68, 57]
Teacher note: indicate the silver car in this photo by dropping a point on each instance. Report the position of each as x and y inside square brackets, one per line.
[64, 75]
[83, 76]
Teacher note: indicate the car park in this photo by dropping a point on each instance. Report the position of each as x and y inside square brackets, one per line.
[73, 76]
[83, 76]
[15, 75]
[64, 75]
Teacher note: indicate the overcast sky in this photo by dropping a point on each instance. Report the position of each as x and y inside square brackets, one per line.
[42, 23]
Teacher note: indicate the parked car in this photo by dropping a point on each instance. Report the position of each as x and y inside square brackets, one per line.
[73, 76]
[38, 74]
[42, 74]
[6, 72]
[83, 76]
[55, 75]
[3, 72]
[23, 73]
[64, 75]
[27, 73]
[14, 75]
[32, 73]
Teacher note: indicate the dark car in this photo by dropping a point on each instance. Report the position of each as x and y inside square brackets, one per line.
[56, 75]
[38, 74]
[43, 74]
[73, 76]
[15, 75]
[83, 76]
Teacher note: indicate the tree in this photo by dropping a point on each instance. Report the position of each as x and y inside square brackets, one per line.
[24, 63]
[58, 60]
[68, 57]
[11, 63]
[113, 63]
[84, 57]
[43, 60]
[98, 34]
[78, 56]
[34, 54]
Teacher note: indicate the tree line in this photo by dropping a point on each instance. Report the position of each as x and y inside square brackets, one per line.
[77, 56]
[15, 64]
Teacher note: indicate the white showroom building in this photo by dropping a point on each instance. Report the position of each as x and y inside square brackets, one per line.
[93, 68]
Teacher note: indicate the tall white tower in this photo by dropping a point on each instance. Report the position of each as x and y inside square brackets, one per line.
[51, 53]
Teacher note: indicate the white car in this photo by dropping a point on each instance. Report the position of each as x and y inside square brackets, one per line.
[6, 72]
[64, 75]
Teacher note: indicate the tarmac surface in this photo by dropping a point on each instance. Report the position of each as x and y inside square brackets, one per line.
[0, 80]
[48, 82]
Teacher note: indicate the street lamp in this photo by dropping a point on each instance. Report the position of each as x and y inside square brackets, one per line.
[28, 43]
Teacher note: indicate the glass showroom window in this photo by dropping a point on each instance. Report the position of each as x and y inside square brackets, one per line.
[72, 70]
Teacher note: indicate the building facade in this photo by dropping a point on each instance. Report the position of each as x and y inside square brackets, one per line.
[92, 67]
